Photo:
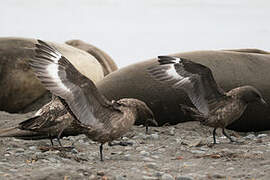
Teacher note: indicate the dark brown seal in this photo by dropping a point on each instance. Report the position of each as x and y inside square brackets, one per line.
[19, 87]
[103, 58]
[101, 120]
[230, 69]
[214, 107]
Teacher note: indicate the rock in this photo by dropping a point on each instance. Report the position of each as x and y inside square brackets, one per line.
[262, 135]
[250, 136]
[119, 177]
[74, 151]
[127, 157]
[171, 132]
[197, 151]
[19, 150]
[152, 165]
[147, 159]
[183, 178]
[230, 169]
[167, 177]
[154, 136]
[19, 86]
[100, 173]
[144, 153]
[149, 178]
[33, 148]
[218, 176]
[196, 143]
[92, 177]
[108, 65]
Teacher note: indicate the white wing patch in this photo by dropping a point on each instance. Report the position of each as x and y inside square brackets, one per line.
[172, 72]
[53, 73]
[55, 56]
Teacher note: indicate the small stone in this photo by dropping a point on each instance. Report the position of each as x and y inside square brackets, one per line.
[155, 157]
[262, 135]
[147, 159]
[152, 165]
[74, 151]
[19, 150]
[6, 155]
[218, 176]
[250, 136]
[125, 138]
[159, 174]
[183, 178]
[92, 177]
[196, 143]
[100, 173]
[52, 160]
[81, 141]
[119, 177]
[167, 177]
[230, 169]
[127, 157]
[197, 151]
[33, 148]
[171, 132]
[149, 178]
[144, 153]
[154, 136]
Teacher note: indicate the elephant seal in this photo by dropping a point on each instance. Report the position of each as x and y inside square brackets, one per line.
[19, 86]
[107, 63]
[231, 69]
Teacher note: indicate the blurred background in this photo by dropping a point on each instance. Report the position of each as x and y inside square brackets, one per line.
[134, 30]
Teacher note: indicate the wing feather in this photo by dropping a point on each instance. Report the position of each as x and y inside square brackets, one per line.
[195, 79]
[60, 77]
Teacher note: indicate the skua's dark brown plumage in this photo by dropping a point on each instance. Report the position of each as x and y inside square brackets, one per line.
[49, 122]
[214, 107]
[89, 112]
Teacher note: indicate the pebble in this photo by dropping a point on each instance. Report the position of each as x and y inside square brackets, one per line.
[74, 151]
[154, 136]
[159, 174]
[167, 177]
[262, 135]
[92, 177]
[144, 153]
[155, 157]
[183, 178]
[119, 177]
[127, 157]
[152, 165]
[218, 176]
[100, 173]
[250, 136]
[52, 160]
[149, 178]
[33, 148]
[197, 151]
[230, 169]
[19, 150]
[171, 132]
[196, 143]
[147, 159]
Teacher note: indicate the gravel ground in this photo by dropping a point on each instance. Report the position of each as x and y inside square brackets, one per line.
[180, 152]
